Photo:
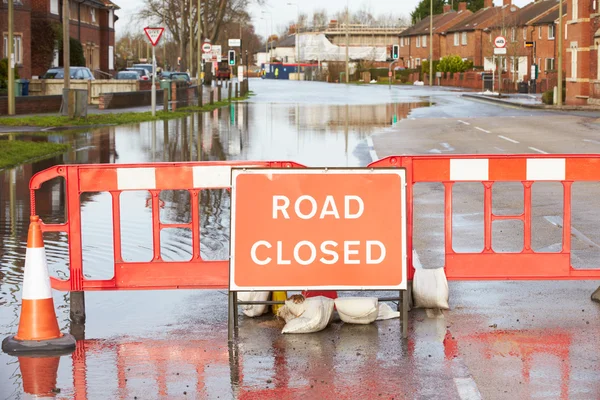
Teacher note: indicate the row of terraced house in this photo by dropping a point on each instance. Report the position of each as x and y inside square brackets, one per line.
[471, 36]
[91, 22]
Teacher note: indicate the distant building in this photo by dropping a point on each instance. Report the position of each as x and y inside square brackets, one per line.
[91, 22]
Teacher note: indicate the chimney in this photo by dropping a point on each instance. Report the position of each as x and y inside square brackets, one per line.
[462, 6]
[447, 8]
[488, 3]
[507, 2]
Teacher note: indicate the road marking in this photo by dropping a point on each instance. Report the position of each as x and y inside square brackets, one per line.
[591, 141]
[558, 221]
[538, 150]
[482, 130]
[467, 389]
[463, 122]
[507, 138]
[372, 151]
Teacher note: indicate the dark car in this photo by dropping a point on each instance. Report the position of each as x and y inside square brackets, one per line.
[223, 71]
[180, 76]
[147, 67]
[75, 72]
[141, 72]
[132, 75]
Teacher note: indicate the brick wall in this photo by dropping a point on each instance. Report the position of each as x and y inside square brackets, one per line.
[22, 26]
[129, 99]
[32, 104]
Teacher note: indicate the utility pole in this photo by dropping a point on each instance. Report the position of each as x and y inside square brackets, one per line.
[297, 36]
[347, 42]
[66, 54]
[191, 39]
[559, 101]
[199, 56]
[11, 60]
[430, 42]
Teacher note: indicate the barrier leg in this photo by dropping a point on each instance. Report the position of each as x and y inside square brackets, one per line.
[235, 310]
[231, 317]
[77, 312]
[405, 314]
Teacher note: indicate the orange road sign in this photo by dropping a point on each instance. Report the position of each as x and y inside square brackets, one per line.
[318, 229]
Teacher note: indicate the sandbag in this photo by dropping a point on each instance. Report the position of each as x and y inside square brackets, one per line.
[357, 310]
[386, 312]
[311, 315]
[257, 309]
[430, 288]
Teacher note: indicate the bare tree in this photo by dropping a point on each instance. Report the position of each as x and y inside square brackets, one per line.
[319, 18]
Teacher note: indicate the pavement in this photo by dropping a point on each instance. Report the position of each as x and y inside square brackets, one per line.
[499, 340]
[533, 101]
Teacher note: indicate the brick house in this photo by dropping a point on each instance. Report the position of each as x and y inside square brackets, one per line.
[467, 38]
[22, 34]
[414, 40]
[91, 22]
[517, 27]
[581, 59]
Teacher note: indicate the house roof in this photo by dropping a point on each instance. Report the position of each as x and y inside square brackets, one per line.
[481, 18]
[528, 13]
[439, 21]
[289, 41]
[550, 17]
[107, 4]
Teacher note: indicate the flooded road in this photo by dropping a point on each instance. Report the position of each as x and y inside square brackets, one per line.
[501, 340]
[329, 134]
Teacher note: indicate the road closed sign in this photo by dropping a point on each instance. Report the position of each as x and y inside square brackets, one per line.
[296, 229]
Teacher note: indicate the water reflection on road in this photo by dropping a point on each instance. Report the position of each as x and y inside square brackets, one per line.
[315, 135]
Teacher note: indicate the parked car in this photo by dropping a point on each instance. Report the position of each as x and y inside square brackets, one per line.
[133, 75]
[166, 74]
[180, 76]
[144, 76]
[147, 67]
[75, 72]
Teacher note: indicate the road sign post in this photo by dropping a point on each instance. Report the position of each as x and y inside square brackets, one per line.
[321, 229]
[154, 35]
[499, 49]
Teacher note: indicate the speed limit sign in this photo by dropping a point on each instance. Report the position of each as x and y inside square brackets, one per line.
[500, 42]
[206, 47]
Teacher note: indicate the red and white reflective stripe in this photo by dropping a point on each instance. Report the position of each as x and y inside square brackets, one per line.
[166, 177]
[36, 282]
[443, 169]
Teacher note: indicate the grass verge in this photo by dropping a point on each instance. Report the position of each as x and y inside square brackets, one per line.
[112, 119]
[15, 152]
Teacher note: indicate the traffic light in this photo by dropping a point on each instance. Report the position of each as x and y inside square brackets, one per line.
[395, 52]
[231, 57]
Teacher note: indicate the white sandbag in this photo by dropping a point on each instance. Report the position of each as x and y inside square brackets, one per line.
[386, 312]
[257, 309]
[430, 288]
[312, 315]
[357, 310]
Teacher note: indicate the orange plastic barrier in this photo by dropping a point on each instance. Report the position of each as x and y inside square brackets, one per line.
[489, 169]
[154, 177]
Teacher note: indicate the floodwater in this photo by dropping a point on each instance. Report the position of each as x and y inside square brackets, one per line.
[182, 333]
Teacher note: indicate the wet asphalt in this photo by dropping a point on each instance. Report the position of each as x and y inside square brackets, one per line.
[499, 340]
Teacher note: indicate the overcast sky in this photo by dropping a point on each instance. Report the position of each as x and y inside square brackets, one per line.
[283, 13]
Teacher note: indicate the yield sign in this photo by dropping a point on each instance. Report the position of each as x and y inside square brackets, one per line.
[154, 34]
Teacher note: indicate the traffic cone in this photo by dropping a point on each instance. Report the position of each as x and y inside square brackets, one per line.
[39, 375]
[38, 327]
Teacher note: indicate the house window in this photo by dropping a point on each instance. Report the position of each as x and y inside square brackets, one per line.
[539, 32]
[549, 64]
[524, 33]
[401, 42]
[55, 60]
[424, 40]
[111, 58]
[18, 47]
[456, 39]
[54, 7]
[575, 11]
[513, 34]
[551, 31]
[464, 38]
[111, 19]
[418, 41]
[93, 15]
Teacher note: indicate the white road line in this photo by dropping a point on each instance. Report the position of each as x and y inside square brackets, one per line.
[463, 122]
[591, 141]
[372, 151]
[370, 142]
[467, 389]
[538, 150]
[507, 138]
[482, 130]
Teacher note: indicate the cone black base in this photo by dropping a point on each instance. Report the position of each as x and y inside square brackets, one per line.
[60, 346]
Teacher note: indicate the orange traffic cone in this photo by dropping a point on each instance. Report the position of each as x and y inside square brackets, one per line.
[38, 327]
[39, 375]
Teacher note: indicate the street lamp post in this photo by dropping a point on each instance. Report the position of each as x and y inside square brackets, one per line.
[559, 101]
[11, 59]
[430, 42]
[297, 36]
[271, 15]
[347, 42]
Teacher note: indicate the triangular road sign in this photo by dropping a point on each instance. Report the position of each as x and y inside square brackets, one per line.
[154, 34]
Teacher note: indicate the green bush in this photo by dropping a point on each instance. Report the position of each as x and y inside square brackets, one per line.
[4, 73]
[425, 67]
[76, 57]
[454, 63]
[548, 96]
[379, 73]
